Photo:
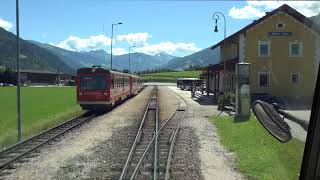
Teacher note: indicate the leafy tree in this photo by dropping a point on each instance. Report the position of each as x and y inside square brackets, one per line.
[7, 75]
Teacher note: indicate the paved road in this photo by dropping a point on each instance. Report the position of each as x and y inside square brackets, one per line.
[296, 130]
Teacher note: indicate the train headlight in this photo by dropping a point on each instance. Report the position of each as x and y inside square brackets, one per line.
[80, 93]
[105, 94]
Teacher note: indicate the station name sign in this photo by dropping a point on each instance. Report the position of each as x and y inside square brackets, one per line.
[279, 33]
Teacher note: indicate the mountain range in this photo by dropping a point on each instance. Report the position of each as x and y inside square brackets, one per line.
[201, 58]
[139, 61]
[40, 56]
[31, 55]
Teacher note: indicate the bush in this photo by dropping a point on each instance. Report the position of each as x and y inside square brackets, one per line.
[226, 99]
[70, 83]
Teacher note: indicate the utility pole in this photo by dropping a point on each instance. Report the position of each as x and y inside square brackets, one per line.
[129, 57]
[18, 73]
[112, 42]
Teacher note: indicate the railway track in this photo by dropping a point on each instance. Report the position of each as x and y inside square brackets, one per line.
[152, 150]
[20, 151]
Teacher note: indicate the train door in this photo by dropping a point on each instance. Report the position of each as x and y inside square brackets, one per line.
[131, 84]
[123, 83]
[111, 86]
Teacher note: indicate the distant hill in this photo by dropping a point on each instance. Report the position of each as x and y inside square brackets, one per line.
[316, 19]
[139, 61]
[32, 56]
[163, 57]
[77, 59]
[202, 58]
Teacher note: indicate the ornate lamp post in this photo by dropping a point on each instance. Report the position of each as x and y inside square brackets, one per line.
[215, 17]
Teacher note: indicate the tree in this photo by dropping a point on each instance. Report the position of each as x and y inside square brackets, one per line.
[7, 75]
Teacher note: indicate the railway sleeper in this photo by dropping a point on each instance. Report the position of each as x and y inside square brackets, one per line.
[163, 157]
[5, 173]
[31, 155]
[23, 160]
[164, 143]
[12, 166]
[147, 136]
[28, 146]
[141, 148]
[11, 155]
[145, 167]
[164, 152]
[144, 176]
[19, 151]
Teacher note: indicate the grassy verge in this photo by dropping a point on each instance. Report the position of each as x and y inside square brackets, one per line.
[170, 76]
[258, 154]
[41, 108]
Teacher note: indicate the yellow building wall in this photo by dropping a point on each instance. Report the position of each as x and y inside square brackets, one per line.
[228, 51]
[279, 63]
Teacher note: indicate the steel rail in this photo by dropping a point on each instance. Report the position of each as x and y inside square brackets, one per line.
[156, 143]
[168, 165]
[150, 144]
[37, 137]
[125, 168]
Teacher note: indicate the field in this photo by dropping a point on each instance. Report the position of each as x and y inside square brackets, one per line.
[41, 108]
[170, 76]
[258, 154]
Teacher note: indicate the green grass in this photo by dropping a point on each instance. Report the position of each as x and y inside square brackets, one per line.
[258, 154]
[41, 108]
[170, 76]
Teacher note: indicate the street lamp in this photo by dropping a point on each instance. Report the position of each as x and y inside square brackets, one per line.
[129, 55]
[112, 41]
[216, 18]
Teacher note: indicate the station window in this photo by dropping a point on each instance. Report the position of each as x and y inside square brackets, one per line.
[280, 26]
[264, 49]
[264, 79]
[295, 78]
[295, 49]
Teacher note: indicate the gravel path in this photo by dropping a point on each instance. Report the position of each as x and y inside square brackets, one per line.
[215, 161]
[90, 151]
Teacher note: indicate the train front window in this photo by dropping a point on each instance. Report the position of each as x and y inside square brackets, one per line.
[93, 83]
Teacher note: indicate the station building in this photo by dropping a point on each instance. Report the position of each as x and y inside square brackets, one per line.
[42, 77]
[282, 48]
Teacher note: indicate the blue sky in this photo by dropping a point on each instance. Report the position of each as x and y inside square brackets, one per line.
[175, 27]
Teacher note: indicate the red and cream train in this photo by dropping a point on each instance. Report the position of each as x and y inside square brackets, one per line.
[99, 89]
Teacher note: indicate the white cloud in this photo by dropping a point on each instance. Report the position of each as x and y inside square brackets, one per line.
[167, 47]
[255, 9]
[135, 38]
[246, 12]
[75, 43]
[119, 51]
[5, 24]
